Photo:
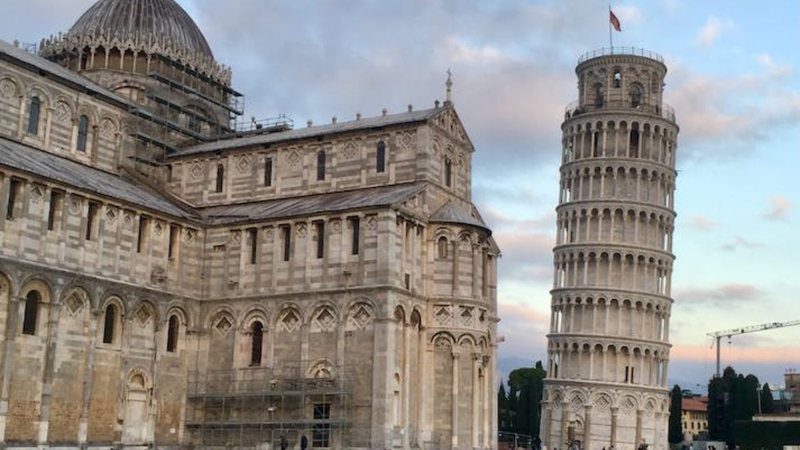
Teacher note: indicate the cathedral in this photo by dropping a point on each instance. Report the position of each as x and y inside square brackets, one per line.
[173, 276]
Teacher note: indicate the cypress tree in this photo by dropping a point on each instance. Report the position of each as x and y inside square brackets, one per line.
[675, 432]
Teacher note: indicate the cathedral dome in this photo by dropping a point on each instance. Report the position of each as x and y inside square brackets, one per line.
[161, 22]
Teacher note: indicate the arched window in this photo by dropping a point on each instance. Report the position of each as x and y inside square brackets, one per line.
[633, 145]
[617, 78]
[83, 132]
[31, 312]
[109, 324]
[256, 341]
[442, 245]
[448, 172]
[220, 177]
[172, 334]
[636, 96]
[598, 96]
[320, 165]
[33, 115]
[380, 158]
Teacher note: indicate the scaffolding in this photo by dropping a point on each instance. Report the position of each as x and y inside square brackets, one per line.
[257, 407]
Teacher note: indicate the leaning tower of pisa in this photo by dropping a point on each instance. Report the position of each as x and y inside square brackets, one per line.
[608, 345]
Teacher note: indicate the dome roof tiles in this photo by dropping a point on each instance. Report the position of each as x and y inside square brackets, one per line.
[130, 19]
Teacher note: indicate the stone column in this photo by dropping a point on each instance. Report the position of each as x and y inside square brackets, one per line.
[8, 359]
[564, 424]
[638, 438]
[88, 377]
[476, 392]
[54, 310]
[614, 413]
[454, 406]
[587, 427]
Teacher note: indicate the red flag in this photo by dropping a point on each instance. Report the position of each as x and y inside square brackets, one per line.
[614, 21]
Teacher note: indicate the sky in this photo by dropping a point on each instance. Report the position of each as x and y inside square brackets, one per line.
[732, 78]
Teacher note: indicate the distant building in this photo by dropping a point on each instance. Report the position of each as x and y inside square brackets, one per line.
[694, 415]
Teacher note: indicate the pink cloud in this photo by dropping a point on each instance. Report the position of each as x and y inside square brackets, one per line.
[702, 223]
[726, 293]
[780, 208]
[702, 353]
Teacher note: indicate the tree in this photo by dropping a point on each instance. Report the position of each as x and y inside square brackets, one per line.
[525, 389]
[731, 397]
[676, 400]
[503, 422]
[767, 405]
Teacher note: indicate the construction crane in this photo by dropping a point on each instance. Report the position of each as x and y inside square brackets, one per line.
[718, 335]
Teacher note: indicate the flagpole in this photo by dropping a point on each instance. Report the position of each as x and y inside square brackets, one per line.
[610, 40]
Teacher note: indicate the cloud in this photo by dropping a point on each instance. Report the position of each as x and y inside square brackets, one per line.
[743, 353]
[740, 242]
[776, 70]
[726, 294]
[524, 329]
[702, 223]
[712, 30]
[780, 208]
[724, 116]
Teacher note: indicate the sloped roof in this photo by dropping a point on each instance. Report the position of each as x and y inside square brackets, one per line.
[48, 165]
[694, 404]
[301, 133]
[453, 212]
[10, 52]
[311, 204]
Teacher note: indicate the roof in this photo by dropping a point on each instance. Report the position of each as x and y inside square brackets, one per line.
[453, 212]
[694, 404]
[48, 165]
[162, 20]
[301, 133]
[9, 51]
[312, 204]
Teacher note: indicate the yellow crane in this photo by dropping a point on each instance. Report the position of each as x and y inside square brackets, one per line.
[718, 335]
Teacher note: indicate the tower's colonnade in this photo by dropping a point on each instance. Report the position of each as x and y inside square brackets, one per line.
[608, 345]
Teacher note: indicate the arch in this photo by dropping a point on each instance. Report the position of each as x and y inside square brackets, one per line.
[400, 314]
[359, 316]
[321, 159]
[254, 313]
[324, 317]
[321, 369]
[416, 318]
[289, 318]
[35, 302]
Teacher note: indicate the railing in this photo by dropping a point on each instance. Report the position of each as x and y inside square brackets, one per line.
[608, 51]
[664, 110]
[261, 381]
[269, 125]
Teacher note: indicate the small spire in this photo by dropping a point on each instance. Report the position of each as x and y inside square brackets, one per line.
[436, 104]
[358, 116]
[333, 120]
[310, 123]
[384, 111]
[410, 107]
[449, 84]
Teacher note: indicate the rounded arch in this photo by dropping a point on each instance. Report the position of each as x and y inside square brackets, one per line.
[321, 369]
[144, 307]
[138, 378]
[37, 284]
[254, 313]
[112, 299]
[400, 314]
[221, 311]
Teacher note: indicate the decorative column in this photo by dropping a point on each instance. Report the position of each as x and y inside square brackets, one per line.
[587, 427]
[614, 414]
[454, 406]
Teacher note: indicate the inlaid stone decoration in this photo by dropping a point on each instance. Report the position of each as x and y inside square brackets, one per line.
[143, 315]
[223, 325]
[196, 172]
[289, 322]
[189, 236]
[350, 150]
[111, 215]
[360, 318]
[325, 320]
[36, 194]
[75, 204]
[294, 158]
[372, 223]
[301, 230]
[442, 314]
[269, 234]
[107, 129]
[7, 88]
[74, 303]
[336, 224]
[406, 140]
[243, 164]
[63, 112]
